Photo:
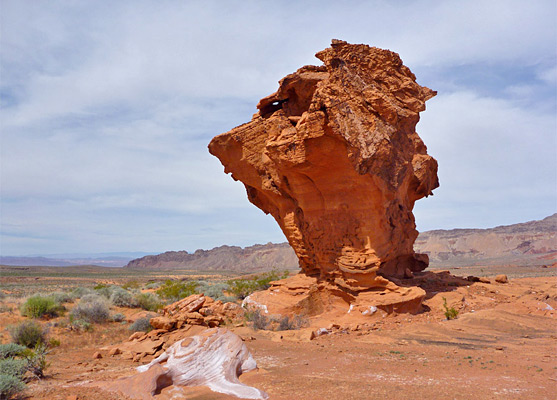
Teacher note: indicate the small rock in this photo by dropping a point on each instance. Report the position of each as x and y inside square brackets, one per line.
[71, 397]
[321, 332]
[136, 335]
[97, 355]
[138, 357]
[501, 279]
[162, 323]
[115, 351]
[484, 280]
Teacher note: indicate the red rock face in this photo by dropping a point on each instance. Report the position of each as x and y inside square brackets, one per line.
[334, 157]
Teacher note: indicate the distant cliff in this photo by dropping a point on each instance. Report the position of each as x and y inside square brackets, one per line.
[533, 242]
[260, 257]
[530, 243]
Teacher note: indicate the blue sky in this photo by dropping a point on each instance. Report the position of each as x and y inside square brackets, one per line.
[106, 110]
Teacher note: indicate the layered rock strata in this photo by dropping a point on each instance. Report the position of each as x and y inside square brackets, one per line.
[334, 157]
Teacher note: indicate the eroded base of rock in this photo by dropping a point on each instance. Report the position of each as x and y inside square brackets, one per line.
[311, 297]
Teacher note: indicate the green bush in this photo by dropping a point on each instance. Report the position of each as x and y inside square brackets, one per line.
[141, 325]
[10, 350]
[148, 301]
[13, 366]
[122, 298]
[38, 305]
[9, 386]
[215, 291]
[174, 291]
[79, 325]
[286, 323]
[118, 317]
[61, 297]
[154, 285]
[258, 320]
[450, 312]
[79, 292]
[242, 288]
[94, 298]
[91, 311]
[28, 334]
[36, 361]
[104, 290]
[133, 284]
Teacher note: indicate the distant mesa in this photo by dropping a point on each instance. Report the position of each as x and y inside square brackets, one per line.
[334, 157]
[528, 243]
[257, 258]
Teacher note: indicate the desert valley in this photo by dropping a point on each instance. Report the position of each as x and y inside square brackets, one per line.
[356, 305]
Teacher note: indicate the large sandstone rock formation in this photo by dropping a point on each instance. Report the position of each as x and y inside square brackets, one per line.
[334, 157]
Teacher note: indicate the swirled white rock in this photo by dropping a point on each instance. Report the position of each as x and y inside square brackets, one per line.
[215, 358]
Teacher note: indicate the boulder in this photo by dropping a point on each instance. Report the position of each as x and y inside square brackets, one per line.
[334, 157]
[214, 358]
[165, 323]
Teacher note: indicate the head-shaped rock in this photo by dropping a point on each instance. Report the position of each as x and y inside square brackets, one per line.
[334, 157]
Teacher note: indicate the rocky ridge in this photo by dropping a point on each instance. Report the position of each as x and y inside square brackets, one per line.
[533, 242]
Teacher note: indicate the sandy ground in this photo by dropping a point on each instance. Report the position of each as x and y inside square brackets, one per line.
[503, 345]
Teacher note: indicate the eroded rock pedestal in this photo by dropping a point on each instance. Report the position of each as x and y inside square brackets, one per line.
[334, 157]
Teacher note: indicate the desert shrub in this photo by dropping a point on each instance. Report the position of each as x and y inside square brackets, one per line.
[258, 320]
[174, 291]
[215, 291]
[13, 366]
[36, 361]
[122, 298]
[154, 285]
[104, 290]
[450, 312]
[2, 295]
[100, 286]
[91, 311]
[141, 325]
[118, 317]
[79, 325]
[148, 301]
[28, 334]
[286, 323]
[10, 350]
[133, 284]
[79, 292]
[38, 305]
[242, 288]
[53, 342]
[94, 298]
[10, 385]
[61, 297]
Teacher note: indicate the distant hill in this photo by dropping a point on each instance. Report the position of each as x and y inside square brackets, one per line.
[530, 243]
[260, 257]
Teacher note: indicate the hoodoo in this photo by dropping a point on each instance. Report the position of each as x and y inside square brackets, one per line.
[334, 157]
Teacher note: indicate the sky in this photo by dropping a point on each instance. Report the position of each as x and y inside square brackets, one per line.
[107, 108]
